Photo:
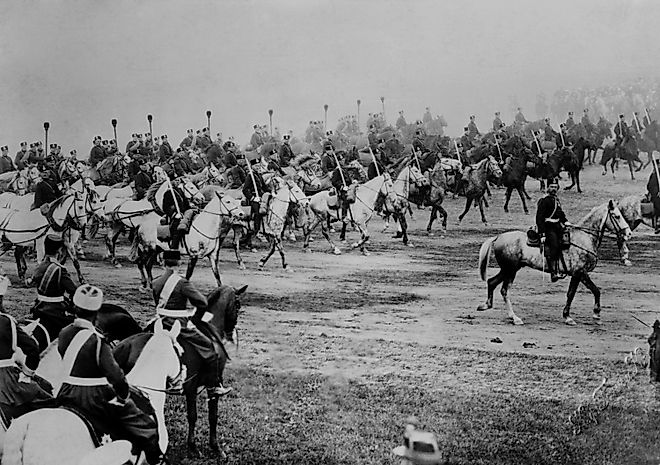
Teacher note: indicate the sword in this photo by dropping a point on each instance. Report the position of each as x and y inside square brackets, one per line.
[637, 123]
[646, 110]
[561, 134]
[176, 202]
[341, 171]
[537, 143]
[458, 155]
[375, 162]
[417, 159]
[497, 144]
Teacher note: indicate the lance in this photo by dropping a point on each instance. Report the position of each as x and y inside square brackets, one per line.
[375, 162]
[358, 113]
[646, 110]
[341, 171]
[114, 129]
[382, 101]
[270, 116]
[458, 154]
[151, 132]
[46, 126]
[325, 118]
[561, 134]
[637, 123]
[497, 144]
[417, 159]
[254, 183]
[208, 121]
[537, 143]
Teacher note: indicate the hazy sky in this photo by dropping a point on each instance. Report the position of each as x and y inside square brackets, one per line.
[78, 64]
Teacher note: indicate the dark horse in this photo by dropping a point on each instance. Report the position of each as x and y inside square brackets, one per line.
[626, 150]
[224, 305]
[476, 180]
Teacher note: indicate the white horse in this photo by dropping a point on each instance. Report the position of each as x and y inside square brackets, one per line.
[210, 175]
[122, 213]
[285, 193]
[202, 241]
[324, 205]
[58, 436]
[409, 175]
[631, 209]
[25, 229]
[512, 253]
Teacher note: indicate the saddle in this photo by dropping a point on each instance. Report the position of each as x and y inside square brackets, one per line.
[646, 206]
[333, 199]
[534, 239]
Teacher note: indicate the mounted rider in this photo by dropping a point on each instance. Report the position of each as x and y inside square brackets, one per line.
[418, 142]
[328, 163]
[21, 156]
[254, 189]
[172, 293]
[550, 223]
[46, 190]
[401, 121]
[497, 122]
[6, 164]
[179, 213]
[18, 390]
[95, 384]
[142, 181]
[54, 287]
[343, 183]
[636, 125]
[286, 152]
[586, 122]
[549, 133]
[520, 118]
[570, 122]
[621, 130]
[473, 131]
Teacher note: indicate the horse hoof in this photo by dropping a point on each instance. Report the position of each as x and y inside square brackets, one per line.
[242, 267]
[526, 212]
[570, 321]
[486, 224]
[117, 265]
[411, 245]
[193, 452]
[253, 250]
[214, 447]
[430, 233]
[517, 321]
[483, 307]
[366, 253]
[626, 262]
[336, 251]
[354, 245]
[288, 269]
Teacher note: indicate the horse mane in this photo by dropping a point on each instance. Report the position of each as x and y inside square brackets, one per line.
[151, 192]
[304, 158]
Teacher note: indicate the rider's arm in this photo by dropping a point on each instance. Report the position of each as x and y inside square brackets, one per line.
[67, 283]
[540, 218]
[112, 371]
[29, 347]
[195, 297]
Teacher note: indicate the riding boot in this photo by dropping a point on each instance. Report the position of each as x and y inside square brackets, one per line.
[175, 239]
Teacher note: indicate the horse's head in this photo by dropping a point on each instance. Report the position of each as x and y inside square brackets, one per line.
[33, 174]
[159, 174]
[296, 195]
[631, 210]
[493, 169]
[654, 352]
[191, 191]
[71, 209]
[616, 223]
[19, 184]
[214, 173]
[230, 206]
[160, 359]
[224, 304]
[416, 176]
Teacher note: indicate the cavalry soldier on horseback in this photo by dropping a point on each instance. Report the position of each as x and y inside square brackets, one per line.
[172, 292]
[141, 181]
[418, 142]
[342, 182]
[133, 145]
[46, 191]
[5, 161]
[254, 180]
[473, 131]
[569, 121]
[635, 125]
[188, 140]
[621, 130]
[550, 221]
[497, 122]
[179, 214]
[328, 163]
[215, 154]
[401, 121]
[21, 156]
[165, 149]
[520, 118]
[95, 384]
[549, 133]
[466, 142]
[286, 152]
[18, 390]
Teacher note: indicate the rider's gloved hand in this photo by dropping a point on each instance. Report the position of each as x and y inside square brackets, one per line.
[118, 401]
[542, 239]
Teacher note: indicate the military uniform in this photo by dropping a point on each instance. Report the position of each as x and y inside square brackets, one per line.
[21, 159]
[93, 378]
[497, 124]
[164, 152]
[142, 183]
[16, 391]
[550, 219]
[170, 210]
[401, 122]
[286, 154]
[172, 293]
[569, 122]
[621, 131]
[473, 131]
[520, 118]
[215, 154]
[328, 163]
[96, 155]
[53, 282]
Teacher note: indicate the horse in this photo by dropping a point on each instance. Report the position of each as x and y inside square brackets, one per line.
[110, 171]
[223, 308]
[631, 210]
[32, 439]
[201, 241]
[438, 182]
[514, 174]
[477, 179]
[512, 253]
[210, 175]
[312, 182]
[121, 213]
[25, 229]
[410, 174]
[16, 182]
[626, 150]
[285, 194]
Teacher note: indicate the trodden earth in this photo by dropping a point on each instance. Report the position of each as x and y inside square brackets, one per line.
[334, 356]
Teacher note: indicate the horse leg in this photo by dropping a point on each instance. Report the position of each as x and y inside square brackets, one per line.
[468, 204]
[21, 267]
[404, 227]
[444, 214]
[488, 190]
[191, 410]
[521, 190]
[493, 282]
[507, 197]
[271, 250]
[586, 280]
[324, 231]
[577, 180]
[432, 217]
[151, 260]
[570, 294]
[191, 267]
[280, 249]
[213, 423]
[542, 184]
[481, 202]
[525, 192]
[140, 261]
[505, 295]
[630, 166]
[238, 233]
[342, 235]
[363, 240]
[485, 201]
[568, 188]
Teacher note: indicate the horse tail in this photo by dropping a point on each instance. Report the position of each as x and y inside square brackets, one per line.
[14, 440]
[484, 256]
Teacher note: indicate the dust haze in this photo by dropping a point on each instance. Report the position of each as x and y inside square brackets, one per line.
[79, 64]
